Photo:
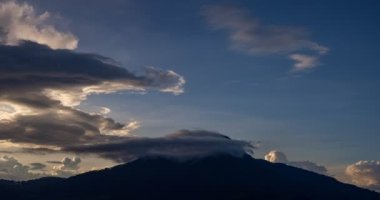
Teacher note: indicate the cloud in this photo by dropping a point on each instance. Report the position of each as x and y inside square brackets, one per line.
[66, 167]
[37, 166]
[304, 62]
[182, 144]
[248, 34]
[104, 110]
[276, 157]
[279, 157]
[19, 21]
[12, 169]
[365, 174]
[69, 163]
[30, 67]
[42, 81]
[47, 84]
[125, 130]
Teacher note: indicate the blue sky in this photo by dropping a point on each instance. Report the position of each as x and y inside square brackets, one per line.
[326, 112]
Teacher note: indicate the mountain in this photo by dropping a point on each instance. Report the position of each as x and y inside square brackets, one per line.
[215, 177]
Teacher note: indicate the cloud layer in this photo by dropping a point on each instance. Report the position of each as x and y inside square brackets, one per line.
[279, 157]
[42, 82]
[247, 34]
[365, 174]
[19, 22]
[182, 144]
[40, 87]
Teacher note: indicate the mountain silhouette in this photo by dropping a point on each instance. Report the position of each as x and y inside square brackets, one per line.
[216, 177]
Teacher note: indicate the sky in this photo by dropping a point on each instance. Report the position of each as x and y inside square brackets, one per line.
[86, 85]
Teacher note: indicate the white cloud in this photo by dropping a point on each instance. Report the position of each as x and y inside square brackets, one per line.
[19, 21]
[304, 62]
[249, 35]
[365, 174]
[280, 157]
[104, 110]
[164, 81]
[276, 157]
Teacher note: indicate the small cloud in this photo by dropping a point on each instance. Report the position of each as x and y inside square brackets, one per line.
[19, 22]
[304, 62]
[249, 35]
[279, 157]
[67, 167]
[104, 111]
[37, 166]
[128, 128]
[365, 173]
[169, 81]
[276, 157]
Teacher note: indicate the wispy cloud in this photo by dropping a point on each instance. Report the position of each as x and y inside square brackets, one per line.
[304, 62]
[248, 34]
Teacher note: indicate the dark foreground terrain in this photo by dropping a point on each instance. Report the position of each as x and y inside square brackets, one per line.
[216, 177]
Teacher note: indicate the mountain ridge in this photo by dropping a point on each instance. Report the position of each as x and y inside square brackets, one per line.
[212, 177]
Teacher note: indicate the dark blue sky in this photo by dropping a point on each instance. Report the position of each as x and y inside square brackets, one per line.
[328, 113]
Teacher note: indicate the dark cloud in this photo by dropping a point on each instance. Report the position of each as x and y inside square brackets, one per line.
[46, 86]
[59, 128]
[31, 67]
[37, 166]
[40, 87]
[181, 144]
[54, 162]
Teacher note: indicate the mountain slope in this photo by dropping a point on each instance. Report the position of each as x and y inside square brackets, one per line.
[215, 177]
